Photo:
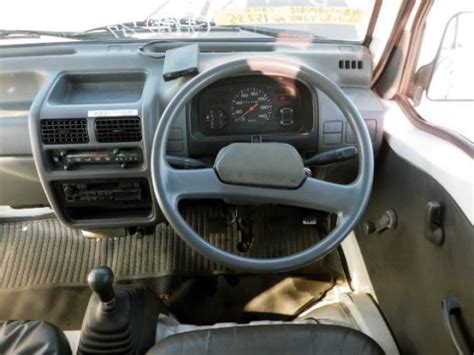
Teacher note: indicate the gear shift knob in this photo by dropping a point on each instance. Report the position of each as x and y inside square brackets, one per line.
[120, 320]
[100, 280]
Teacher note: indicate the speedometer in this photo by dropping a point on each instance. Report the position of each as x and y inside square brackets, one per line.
[252, 106]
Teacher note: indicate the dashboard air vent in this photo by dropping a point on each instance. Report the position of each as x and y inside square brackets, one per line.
[118, 129]
[350, 64]
[64, 131]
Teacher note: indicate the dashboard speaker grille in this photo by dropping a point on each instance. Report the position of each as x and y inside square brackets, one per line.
[64, 131]
[118, 129]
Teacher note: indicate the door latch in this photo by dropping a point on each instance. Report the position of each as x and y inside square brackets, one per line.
[434, 231]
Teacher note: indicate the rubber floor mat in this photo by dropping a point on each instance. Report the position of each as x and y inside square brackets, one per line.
[46, 252]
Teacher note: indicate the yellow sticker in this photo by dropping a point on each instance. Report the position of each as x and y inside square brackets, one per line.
[289, 14]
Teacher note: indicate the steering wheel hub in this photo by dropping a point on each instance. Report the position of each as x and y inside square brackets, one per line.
[260, 164]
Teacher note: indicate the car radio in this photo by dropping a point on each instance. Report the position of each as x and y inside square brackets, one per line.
[106, 192]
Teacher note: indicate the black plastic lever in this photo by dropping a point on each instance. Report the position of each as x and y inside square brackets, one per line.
[185, 163]
[455, 326]
[332, 156]
[433, 222]
[388, 220]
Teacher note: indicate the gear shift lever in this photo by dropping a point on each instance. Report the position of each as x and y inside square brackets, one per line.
[100, 281]
[117, 321]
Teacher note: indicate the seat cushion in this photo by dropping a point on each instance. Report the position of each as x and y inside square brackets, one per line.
[301, 339]
[32, 337]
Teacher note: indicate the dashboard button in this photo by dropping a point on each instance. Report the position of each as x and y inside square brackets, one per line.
[371, 126]
[332, 138]
[333, 127]
[175, 146]
[176, 134]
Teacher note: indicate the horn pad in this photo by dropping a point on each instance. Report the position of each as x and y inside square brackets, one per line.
[260, 164]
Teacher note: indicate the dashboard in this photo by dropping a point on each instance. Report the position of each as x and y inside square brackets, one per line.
[77, 120]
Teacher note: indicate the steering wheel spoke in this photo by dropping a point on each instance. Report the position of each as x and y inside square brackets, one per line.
[331, 197]
[205, 184]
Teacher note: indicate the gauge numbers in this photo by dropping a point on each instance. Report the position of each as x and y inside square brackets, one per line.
[252, 106]
[216, 119]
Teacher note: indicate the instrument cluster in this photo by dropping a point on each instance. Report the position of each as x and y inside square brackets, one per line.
[252, 105]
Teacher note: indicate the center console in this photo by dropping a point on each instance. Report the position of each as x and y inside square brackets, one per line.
[91, 133]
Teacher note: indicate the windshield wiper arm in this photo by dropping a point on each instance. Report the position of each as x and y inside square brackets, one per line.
[102, 34]
[129, 29]
[115, 31]
[276, 32]
[30, 34]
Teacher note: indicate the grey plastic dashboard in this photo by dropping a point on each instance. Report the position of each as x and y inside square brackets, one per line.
[87, 81]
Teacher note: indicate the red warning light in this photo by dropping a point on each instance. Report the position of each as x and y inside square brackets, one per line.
[282, 98]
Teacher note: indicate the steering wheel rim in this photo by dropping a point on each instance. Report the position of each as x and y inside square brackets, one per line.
[172, 185]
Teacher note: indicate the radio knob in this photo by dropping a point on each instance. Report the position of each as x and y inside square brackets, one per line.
[69, 190]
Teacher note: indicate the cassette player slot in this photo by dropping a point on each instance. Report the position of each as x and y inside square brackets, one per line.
[98, 199]
[83, 193]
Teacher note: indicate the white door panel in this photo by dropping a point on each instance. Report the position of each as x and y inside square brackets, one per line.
[449, 165]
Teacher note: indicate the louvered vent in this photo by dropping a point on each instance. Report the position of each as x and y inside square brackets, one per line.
[118, 129]
[64, 131]
[350, 64]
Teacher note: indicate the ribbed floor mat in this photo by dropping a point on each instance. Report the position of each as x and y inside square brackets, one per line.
[46, 252]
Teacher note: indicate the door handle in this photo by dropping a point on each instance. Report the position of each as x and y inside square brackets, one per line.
[455, 325]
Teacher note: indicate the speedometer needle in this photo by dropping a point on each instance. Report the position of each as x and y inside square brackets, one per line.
[250, 109]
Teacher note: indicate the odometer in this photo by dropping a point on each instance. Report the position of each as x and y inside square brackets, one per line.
[251, 106]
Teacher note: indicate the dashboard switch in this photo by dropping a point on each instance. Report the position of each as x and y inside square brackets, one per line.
[333, 127]
[332, 138]
[286, 116]
[371, 126]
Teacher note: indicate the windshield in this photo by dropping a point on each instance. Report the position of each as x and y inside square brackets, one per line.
[340, 20]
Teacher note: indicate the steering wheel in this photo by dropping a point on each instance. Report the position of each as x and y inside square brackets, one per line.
[227, 182]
